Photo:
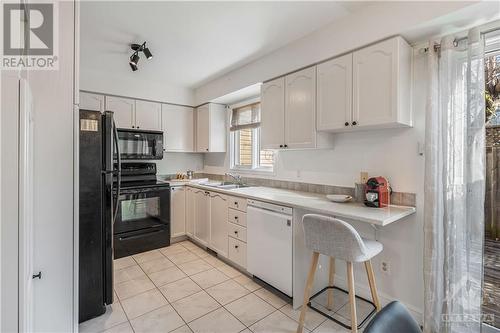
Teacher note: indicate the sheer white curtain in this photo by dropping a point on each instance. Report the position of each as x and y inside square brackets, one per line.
[454, 186]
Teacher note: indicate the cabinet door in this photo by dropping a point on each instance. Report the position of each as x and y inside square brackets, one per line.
[124, 109]
[189, 211]
[201, 216]
[217, 128]
[148, 115]
[94, 102]
[375, 84]
[178, 127]
[218, 223]
[272, 133]
[300, 109]
[334, 94]
[202, 128]
[177, 211]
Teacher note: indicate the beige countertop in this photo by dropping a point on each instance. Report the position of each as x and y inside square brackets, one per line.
[314, 202]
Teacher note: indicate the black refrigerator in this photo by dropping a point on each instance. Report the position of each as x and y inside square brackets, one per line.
[99, 189]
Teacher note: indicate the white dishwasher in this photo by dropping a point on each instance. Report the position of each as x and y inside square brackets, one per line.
[269, 244]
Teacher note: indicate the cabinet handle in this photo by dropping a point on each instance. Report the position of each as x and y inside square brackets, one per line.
[206, 149]
[236, 203]
[346, 123]
[236, 217]
[281, 146]
[354, 123]
[137, 126]
[236, 246]
[133, 126]
[286, 146]
[236, 232]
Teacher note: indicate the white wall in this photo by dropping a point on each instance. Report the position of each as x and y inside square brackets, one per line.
[179, 162]
[130, 86]
[368, 25]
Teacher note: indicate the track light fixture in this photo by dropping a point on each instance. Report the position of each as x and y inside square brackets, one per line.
[134, 58]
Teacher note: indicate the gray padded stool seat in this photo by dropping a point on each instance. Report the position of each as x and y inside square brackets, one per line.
[338, 240]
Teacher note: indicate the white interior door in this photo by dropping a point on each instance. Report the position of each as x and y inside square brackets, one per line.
[9, 203]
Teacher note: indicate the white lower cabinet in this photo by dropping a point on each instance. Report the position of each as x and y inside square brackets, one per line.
[189, 211]
[237, 252]
[201, 200]
[218, 223]
[177, 211]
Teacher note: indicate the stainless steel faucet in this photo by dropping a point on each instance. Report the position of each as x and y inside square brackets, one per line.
[237, 178]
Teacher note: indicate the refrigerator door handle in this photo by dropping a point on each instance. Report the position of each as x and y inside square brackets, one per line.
[118, 171]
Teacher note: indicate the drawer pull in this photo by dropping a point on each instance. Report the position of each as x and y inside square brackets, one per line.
[236, 203]
[236, 217]
[236, 232]
[236, 246]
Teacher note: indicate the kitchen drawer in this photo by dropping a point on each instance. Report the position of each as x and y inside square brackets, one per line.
[238, 203]
[237, 231]
[235, 216]
[238, 252]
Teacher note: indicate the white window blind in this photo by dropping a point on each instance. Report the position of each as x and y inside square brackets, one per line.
[245, 117]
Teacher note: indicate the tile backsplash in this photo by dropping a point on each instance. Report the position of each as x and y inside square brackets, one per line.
[397, 198]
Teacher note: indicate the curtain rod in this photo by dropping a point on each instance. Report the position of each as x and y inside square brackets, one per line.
[437, 46]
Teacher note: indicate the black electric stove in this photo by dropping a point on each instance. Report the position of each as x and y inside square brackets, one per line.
[143, 216]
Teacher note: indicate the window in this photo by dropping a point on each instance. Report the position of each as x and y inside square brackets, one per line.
[245, 140]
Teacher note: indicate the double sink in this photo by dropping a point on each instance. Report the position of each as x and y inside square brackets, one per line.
[225, 185]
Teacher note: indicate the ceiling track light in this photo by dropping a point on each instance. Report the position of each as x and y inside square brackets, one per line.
[134, 58]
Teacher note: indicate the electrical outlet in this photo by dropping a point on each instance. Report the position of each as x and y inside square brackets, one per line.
[363, 177]
[385, 267]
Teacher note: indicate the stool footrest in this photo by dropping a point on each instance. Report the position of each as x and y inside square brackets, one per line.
[361, 323]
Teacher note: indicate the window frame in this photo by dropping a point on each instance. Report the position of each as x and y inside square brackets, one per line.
[256, 147]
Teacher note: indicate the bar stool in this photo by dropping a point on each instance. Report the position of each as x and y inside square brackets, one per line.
[338, 240]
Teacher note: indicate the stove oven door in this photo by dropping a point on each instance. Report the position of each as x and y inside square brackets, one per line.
[143, 220]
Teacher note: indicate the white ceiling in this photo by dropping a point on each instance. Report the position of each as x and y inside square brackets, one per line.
[195, 42]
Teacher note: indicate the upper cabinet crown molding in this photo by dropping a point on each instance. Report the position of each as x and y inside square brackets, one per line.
[211, 129]
[378, 96]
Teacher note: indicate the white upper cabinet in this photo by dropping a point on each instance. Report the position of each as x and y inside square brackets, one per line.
[178, 128]
[89, 101]
[123, 109]
[273, 114]
[382, 85]
[300, 109]
[211, 131]
[334, 94]
[148, 115]
[218, 223]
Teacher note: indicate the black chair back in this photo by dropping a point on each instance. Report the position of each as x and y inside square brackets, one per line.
[393, 318]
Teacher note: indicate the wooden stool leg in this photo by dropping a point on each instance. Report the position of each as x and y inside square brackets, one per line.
[307, 290]
[352, 297]
[329, 303]
[373, 286]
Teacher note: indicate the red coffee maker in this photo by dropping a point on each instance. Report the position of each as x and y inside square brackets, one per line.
[377, 192]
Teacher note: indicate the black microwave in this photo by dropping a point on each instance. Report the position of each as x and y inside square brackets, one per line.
[134, 144]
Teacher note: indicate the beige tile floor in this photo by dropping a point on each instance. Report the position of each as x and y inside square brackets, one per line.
[182, 288]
